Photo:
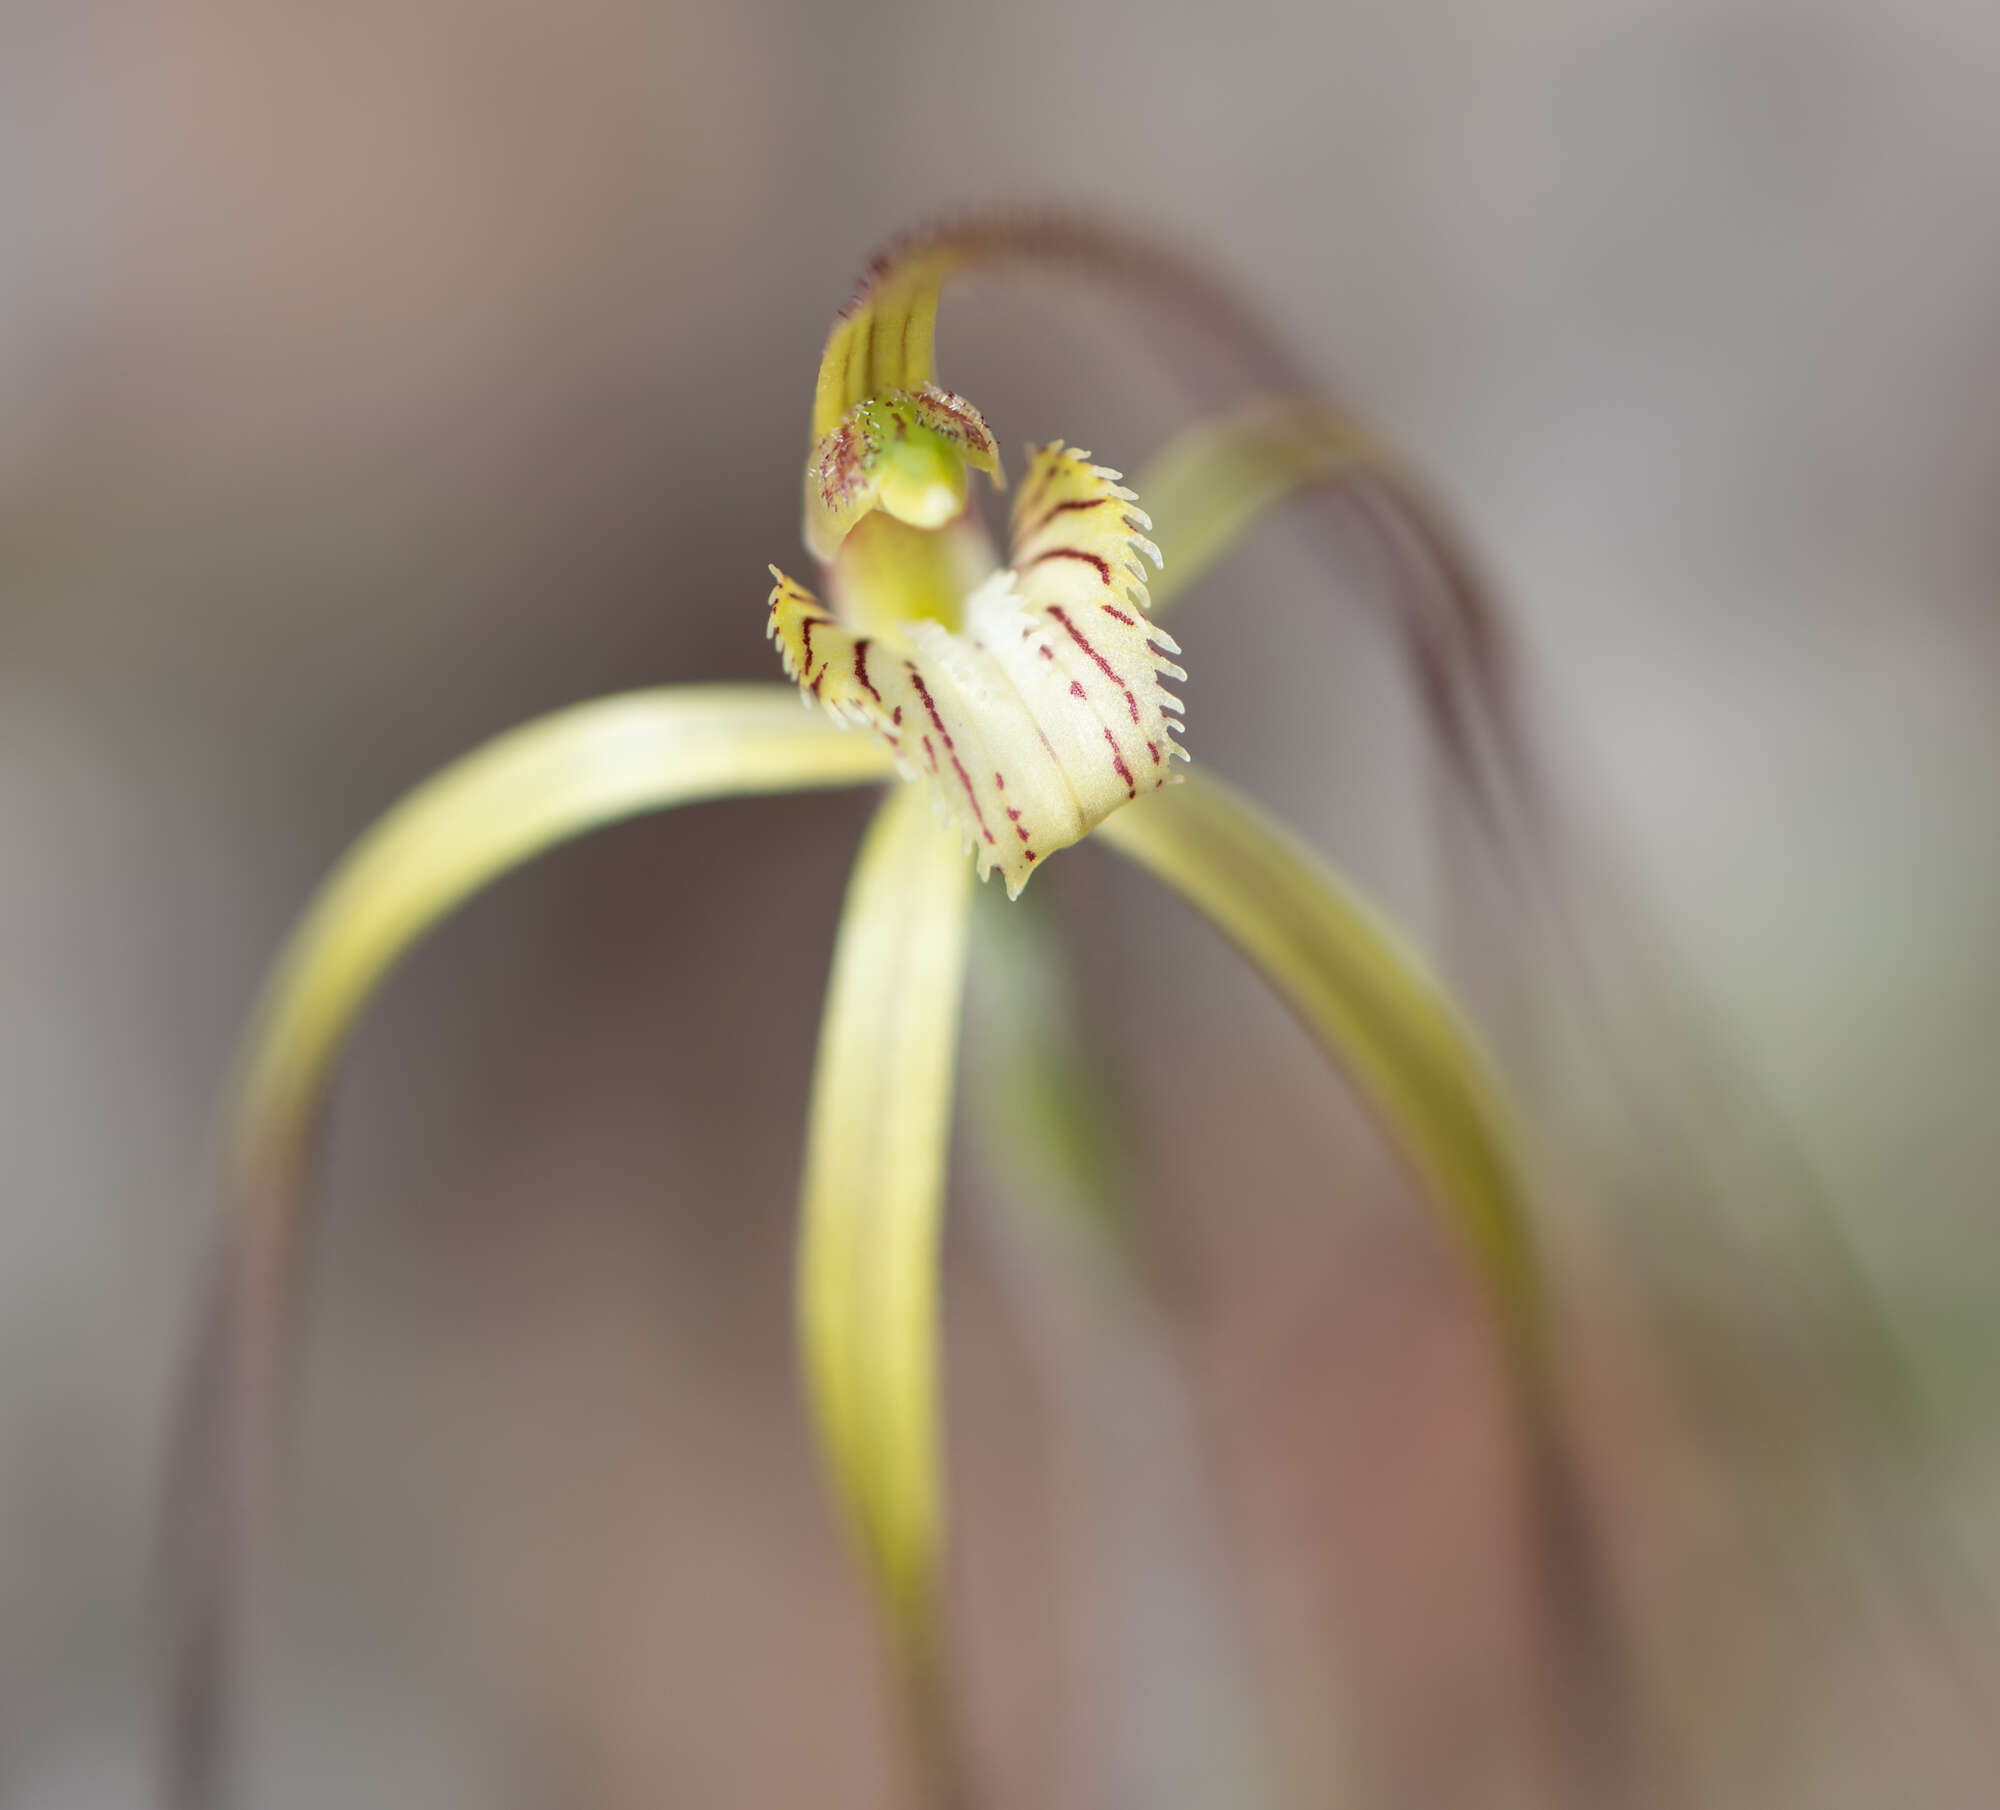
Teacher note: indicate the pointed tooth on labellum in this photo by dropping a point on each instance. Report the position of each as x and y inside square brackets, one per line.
[1168, 670]
[1151, 552]
[1138, 520]
[1164, 641]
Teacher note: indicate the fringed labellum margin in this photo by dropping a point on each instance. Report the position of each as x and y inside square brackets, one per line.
[1040, 710]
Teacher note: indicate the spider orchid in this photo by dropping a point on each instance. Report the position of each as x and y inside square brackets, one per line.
[1006, 709]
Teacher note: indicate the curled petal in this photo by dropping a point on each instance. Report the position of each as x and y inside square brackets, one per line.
[1043, 711]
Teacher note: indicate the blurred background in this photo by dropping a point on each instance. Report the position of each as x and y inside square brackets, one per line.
[373, 377]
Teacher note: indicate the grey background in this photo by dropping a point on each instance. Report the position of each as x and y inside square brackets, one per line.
[373, 377]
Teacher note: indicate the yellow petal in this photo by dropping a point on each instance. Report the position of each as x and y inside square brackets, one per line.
[1042, 711]
[874, 1190]
[488, 813]
[1368, 999]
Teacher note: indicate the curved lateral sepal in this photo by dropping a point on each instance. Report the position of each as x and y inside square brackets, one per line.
[486, 814]
[1369, 1001]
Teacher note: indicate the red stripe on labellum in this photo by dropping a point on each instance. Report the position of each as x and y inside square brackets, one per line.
[924, 692]
[1049, 515]
[1075, 634]
[861, 670]
[1103, 665]
[1077, 553]
[1118, 761]
[951, 748]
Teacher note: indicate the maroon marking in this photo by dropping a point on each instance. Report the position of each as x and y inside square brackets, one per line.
[924, 692]
[999, 780]
[1014, 814]
[1153, 748]
[951, 748]
[1049, 515]
[1076, 689]
[1029, 856]
[1048, 653]
[1103, 665]
[806, 624]
[1118, 761]
[817, 679]
[861, 670]
[896, 716]
[1113, 611]
[930, 753]
[1019, 831]
[1089, 559]
[958, 412]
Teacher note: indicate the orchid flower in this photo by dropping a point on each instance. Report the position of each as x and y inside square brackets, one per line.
[1007, 711]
